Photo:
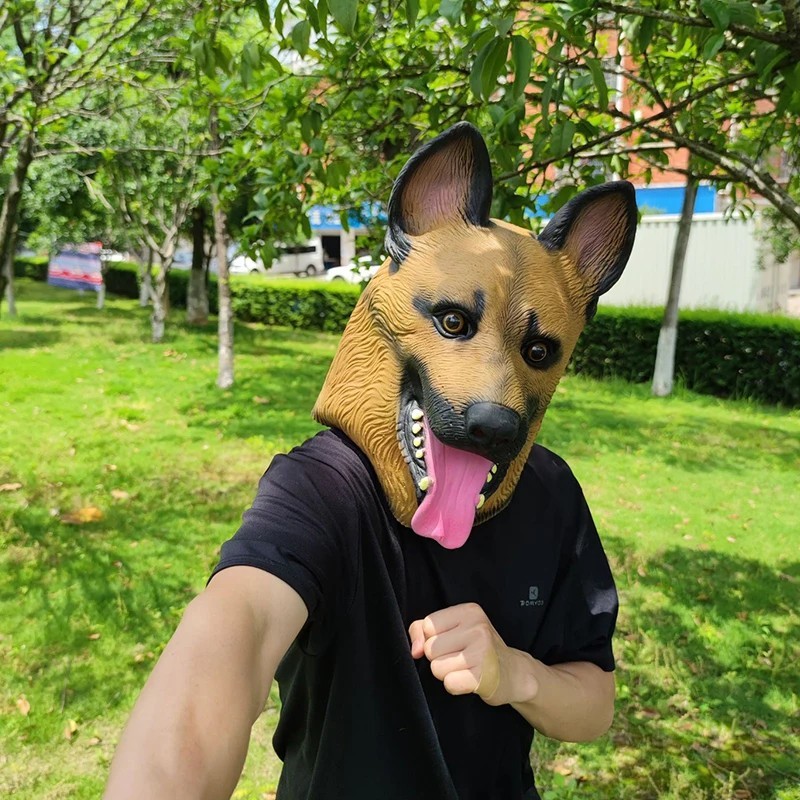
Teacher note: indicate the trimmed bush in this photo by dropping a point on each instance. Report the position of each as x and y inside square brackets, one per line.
[719, 353]
[296, 303]
[33, 267]
[122, 278]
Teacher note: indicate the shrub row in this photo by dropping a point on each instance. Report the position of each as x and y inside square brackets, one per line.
[718, 353]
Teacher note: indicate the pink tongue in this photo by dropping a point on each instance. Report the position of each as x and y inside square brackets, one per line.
[447, 513]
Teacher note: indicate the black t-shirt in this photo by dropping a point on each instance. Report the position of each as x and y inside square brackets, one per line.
[360, 718]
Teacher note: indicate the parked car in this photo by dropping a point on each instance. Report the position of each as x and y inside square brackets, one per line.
[295, 259]
[359, 271]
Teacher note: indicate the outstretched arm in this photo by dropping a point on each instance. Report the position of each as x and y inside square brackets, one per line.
[189, 731]
[572, 702]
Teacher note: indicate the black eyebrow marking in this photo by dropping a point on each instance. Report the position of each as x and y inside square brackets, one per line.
[533, 326]
[535, 331]
[475, 309]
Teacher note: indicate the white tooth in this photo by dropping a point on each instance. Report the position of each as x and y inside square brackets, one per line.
[424, 483]
[481, 501]
[416, 428]
[419, 453]
[417, 414]
[418, 441]
[489, 478]
[494, 469]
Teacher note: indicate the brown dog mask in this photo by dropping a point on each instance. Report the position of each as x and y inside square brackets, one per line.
[455, 348]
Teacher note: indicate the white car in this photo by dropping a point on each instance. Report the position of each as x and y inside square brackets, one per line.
[298, 259]
[359, 272]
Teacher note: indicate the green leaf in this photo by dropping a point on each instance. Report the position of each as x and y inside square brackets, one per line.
[246, 73]
[599, 78]
[251, 54]
[495, 54]
[345, 13]
[522, 56]
[717, 12]
[503, 24]
[547, 93]
[713, 45]
[336, 174]
[451, 10]
[272, 61]
[645, 33]
[262, 9]
[565, 193]
[743, 13]
[412, 11]
[792, 77]
[561, 137]
[767, 57]
[301, 34]
[322, 18]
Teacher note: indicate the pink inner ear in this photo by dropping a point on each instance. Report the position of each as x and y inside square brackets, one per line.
[437, 193]
[597, 236]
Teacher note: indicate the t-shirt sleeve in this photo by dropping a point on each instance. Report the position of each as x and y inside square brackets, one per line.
[302, 528]
[581, 616]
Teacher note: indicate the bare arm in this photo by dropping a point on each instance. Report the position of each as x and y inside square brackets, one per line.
[572, 702]
[189, 731]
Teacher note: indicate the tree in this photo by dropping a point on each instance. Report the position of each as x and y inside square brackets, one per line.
[57, 51]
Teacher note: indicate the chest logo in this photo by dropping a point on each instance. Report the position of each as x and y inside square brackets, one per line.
[533, 598]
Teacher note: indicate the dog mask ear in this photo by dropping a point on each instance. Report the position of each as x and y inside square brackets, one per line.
[447, 180]
[596, 229]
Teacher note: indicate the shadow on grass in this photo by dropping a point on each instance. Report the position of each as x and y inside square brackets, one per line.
[712, 670]
[24, 339]
[103, 598]
[701, 442]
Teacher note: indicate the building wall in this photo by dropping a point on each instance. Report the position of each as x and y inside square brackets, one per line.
[722, 267]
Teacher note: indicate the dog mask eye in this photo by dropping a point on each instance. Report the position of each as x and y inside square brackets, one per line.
[536, 353]
[453, 324]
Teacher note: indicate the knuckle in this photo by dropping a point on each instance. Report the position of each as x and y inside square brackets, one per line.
[439, 670]
[428, 647]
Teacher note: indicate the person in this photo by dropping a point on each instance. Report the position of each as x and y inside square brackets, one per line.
[425, 582]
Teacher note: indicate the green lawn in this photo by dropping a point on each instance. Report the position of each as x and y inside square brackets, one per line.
[134, 468]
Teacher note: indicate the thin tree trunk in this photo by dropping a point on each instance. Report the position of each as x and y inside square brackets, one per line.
[101, 291]
[159, 298]
[664, 371]
[8, 270]
[10, 211]
[225, 314]
[197, 297]
[146, 283]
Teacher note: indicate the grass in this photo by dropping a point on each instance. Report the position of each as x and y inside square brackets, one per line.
[133, 469]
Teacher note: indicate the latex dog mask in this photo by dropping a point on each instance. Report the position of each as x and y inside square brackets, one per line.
[456, 346]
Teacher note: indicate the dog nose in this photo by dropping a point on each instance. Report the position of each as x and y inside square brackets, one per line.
[491, 427]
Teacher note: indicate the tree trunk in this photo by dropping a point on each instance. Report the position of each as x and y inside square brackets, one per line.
[8, 272]
[159, 299]
[664, 371]
[225, 318]
[146, 281]
[225, 313]
[10, 212]
[197, 297]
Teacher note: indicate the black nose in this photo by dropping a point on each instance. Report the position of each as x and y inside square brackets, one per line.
[492, 428]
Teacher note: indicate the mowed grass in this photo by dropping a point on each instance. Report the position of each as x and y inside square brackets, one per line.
[133, 468]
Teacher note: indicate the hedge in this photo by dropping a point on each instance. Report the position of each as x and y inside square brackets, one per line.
[718, 353]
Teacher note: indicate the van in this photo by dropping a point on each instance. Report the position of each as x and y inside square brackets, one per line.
[295, 259]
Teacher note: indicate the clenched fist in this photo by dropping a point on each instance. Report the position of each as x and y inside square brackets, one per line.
[469, 657]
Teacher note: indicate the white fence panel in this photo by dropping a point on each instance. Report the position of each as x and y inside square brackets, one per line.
[721, 269]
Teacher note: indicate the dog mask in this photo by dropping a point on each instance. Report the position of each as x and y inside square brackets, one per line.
[456, 346]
